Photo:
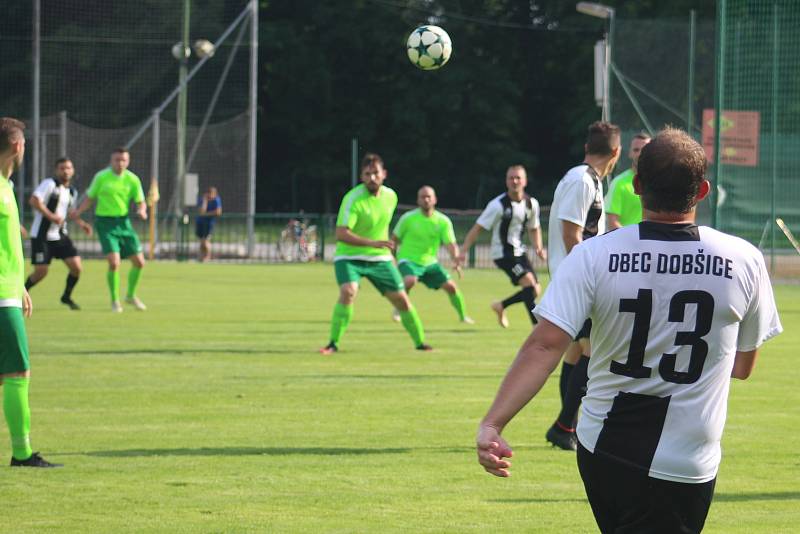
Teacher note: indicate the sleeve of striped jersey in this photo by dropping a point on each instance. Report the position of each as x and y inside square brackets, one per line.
[534, 222]
[347, 216]
[448, 234]
[576, 202]
[44, 190]
[489, 216]
[567, 302]
[761, 321]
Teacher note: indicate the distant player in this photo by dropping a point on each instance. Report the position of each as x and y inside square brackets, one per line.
[577, 214]
[209, 208]
[51, 201]
[678, 309]
[114, 189]
[623, 205]
[363, 249]
[15, 303]
[509, 216]
[418, 234]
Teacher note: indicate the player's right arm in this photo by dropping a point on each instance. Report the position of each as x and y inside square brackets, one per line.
[744, 363]
[571, 233]
[346, 235]
[469, 240]
[36, 202]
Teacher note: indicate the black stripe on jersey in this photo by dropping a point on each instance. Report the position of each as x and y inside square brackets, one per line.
[508, 215]
[653, 231]
[592, 224]
[632, 428]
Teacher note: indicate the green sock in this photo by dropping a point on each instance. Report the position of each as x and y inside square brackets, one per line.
[413, 325]
[112, 277]
[133, 281]
[457, 300]
[342, 314]
[18, 416]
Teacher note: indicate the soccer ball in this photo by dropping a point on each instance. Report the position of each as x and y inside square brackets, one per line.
[429, 47]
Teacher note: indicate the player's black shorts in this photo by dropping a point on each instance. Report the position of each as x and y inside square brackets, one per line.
[516, 267]
[625, 499]
[43, 251]
[585, 330]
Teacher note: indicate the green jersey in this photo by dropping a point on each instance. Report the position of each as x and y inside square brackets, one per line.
[368, 216]
[12, 262]
[421, 236]
[114, 193]
[622, 201]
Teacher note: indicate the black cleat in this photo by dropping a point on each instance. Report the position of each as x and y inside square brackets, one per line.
[35, 460]
[329, 349]
[71, 303]
[563, 439]
[425, 347]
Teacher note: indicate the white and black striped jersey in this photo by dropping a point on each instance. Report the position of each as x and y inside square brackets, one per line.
[670, 304]
[578, 199]
[508, 220]
[58, 199]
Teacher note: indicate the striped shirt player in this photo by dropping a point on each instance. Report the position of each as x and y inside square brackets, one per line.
[508, 217]
[52, 200]
[678, 309]
[363, 249]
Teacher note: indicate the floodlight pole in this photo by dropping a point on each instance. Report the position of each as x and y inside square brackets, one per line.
[606, 13]
[37, 77]
[181, 115]
[251, 156]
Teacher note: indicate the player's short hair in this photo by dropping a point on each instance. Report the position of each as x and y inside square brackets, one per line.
[671, 168]
[517, 166]
[370, 159]
[644, 136]
[11, 131]
[61, 160]
[602, 138]
[120, 150]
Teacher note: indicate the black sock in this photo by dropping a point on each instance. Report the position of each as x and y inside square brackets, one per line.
[30, 283]
[71, 281]
[530, 302]
[519, 296]
[563, 381]
[576, 389]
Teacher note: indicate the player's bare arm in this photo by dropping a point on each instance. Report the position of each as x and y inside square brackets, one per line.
[343, 233]
[452, 249]
[573, 234]
[536, 360]
[27, 304]
[612, 221]
[85, 205]
[37, 204]
[469, 240]
[141, 208]
[744, 363]
[535, 235]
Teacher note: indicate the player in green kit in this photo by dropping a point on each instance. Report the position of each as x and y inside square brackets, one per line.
[15, 303]
[623, 206]
[114, 189]
[363, 248]
[419, 233]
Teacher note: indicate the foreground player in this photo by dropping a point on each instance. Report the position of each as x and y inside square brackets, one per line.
[419, 233]
[623, 205]
[114, 189]
[363, 248]
[52, 200]
[508, 216]
[14, 304]
[576, 215]
[678, 309]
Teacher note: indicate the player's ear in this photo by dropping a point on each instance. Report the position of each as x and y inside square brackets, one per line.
[704, 189]
[637, 185]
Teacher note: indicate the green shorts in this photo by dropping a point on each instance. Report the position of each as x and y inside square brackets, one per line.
[433, 275]
[116, 234]
[383, 274]
[13, 341]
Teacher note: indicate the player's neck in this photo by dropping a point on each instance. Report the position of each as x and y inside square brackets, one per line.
[428, 212]
[516, 196]
[668, 217]
[598, 164]
[6, 169]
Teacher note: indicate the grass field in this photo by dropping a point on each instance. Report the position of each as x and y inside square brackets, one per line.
[212, 412]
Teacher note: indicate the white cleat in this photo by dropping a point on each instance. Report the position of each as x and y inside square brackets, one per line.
[116, 307]
[138, 304]
[468, 320]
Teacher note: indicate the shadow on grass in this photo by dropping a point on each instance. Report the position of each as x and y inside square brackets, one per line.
[760, 496]
[246, 451]
[533, 500]
[169, 351]
[393, 377]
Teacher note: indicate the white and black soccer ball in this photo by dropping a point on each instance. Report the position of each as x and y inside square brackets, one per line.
[429, 47]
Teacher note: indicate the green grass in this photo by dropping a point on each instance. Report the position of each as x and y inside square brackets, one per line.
[212, 412]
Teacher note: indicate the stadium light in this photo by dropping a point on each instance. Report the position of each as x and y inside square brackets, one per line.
[606, 13]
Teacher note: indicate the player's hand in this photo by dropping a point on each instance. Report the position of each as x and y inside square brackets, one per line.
[87, 229]
[492, 448]
[57, 220]
[462, 258]
[23, 232]
[542, 253]
[143, 214]
[27, 304]
[459, 271]
[386, 244]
